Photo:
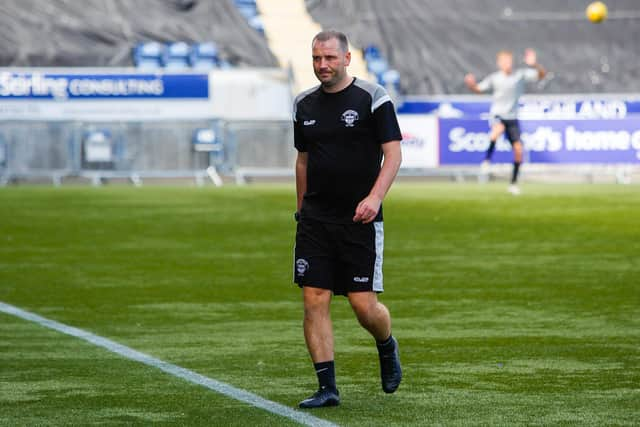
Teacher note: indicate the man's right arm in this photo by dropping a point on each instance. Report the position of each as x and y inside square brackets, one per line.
[470, 81]
[301, 177]
[300, 144]
[474, 86]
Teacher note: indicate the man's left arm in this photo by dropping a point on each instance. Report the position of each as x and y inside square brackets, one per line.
[368, 208]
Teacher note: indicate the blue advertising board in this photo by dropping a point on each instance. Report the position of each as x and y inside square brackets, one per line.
[531, 107]
[464, 141]
[62, 87]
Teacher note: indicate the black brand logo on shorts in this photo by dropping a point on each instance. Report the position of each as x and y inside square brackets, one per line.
[349, 118]
[301, 266]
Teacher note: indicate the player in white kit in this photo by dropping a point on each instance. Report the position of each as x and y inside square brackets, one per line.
[507, 85]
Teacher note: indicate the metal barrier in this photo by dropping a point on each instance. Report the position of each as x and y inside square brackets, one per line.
[260, 149]
[99, 151]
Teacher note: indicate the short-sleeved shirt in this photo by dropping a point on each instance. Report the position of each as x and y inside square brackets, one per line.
[342, 133]
[507, 89]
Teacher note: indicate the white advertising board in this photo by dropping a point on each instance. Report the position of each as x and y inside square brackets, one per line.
[419, 140]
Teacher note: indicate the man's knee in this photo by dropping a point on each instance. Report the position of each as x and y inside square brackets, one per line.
[517, 150]
[496, 130]
[316, 300]
[365, 305]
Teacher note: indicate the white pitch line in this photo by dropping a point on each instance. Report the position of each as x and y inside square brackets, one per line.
[175, 370]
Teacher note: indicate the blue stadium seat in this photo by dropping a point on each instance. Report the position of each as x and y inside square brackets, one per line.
[205, 139]
[371, 52]
[148, 55]
[391, 80]
[98, 147]
[224, 64]
[240, 3]
[257, 24]
[204, 56]
[391, 77]
[377, 66]
[248, 11]
[176, 57]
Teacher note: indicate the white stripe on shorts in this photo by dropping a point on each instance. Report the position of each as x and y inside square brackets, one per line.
[377, 271]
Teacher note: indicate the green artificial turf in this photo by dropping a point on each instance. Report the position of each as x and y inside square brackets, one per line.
[509, 310]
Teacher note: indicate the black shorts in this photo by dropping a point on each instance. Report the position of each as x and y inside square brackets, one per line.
[340, 257]
[511, 129]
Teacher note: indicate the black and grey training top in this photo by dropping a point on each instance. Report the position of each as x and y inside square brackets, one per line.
[342, 133]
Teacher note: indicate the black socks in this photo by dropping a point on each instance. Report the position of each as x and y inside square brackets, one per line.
[516, 169]
[387, 346]
[492, 147]
[326, 373]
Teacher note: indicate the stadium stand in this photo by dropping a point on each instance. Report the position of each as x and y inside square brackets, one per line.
[433, 43]
[98, 33]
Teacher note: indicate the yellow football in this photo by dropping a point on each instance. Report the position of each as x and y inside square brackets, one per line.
[597, 12]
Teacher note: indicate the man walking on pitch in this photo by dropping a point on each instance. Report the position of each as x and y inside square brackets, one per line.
[343, 128]
[507, 86]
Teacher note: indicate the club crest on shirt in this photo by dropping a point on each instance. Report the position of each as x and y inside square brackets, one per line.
[349, 118]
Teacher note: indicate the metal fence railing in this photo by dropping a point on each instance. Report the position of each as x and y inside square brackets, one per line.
[140, 150]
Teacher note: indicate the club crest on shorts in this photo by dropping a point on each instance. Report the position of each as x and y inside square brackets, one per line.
[349, 118]
[301, 266]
